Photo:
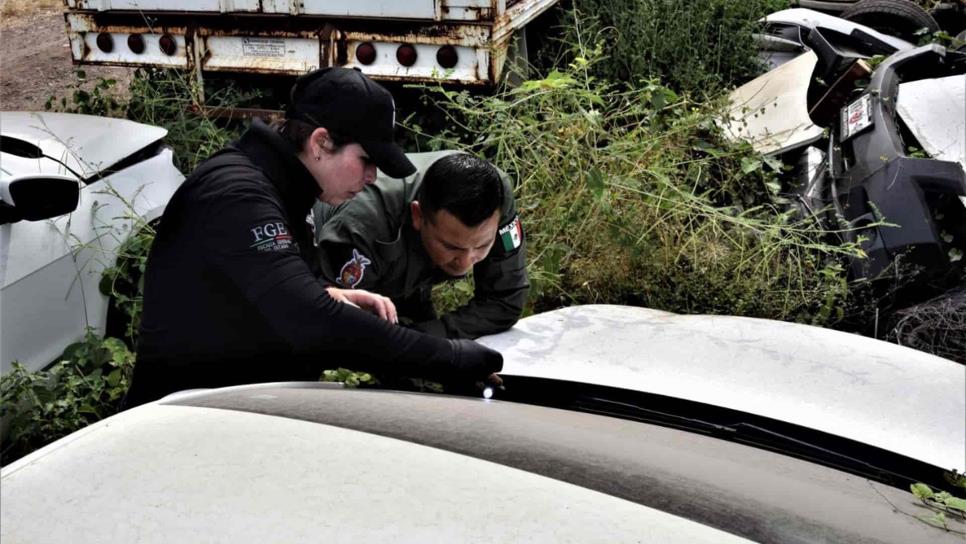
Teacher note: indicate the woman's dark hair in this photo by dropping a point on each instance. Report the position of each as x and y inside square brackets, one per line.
[296, 132]
[468, 187]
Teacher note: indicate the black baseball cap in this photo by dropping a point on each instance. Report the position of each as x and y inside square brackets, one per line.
[348, 102]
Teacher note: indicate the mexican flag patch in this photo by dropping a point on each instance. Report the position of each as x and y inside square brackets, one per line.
[511, 234]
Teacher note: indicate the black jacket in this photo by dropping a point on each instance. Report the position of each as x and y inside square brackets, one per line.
[229, 296]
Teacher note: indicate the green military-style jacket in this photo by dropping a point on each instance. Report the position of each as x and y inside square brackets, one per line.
[369, 243]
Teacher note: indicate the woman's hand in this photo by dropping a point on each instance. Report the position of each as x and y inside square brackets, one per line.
[377, 304]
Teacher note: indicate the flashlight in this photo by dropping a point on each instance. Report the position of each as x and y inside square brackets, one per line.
[490, 391]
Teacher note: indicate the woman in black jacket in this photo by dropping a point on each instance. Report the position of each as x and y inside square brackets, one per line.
[229, 295]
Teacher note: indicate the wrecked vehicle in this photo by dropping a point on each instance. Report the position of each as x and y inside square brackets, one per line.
[902, 18]
[875, 147]
[790, 32]
[73, 190]
[616, 424]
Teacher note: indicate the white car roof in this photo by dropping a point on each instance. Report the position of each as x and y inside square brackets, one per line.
[310, 462]
[86, 144]
[899, 399]
[810, 19]
[162, 473]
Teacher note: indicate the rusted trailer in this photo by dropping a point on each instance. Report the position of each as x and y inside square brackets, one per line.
[464, 42]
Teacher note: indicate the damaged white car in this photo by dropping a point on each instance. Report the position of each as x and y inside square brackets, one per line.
[616, 424]
[874, 130]
[73, 189]
[904, 18]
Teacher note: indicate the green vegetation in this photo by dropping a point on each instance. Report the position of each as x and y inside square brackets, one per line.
[698, 46]
[628, 192]
[84, 386]
[942, 505]
[349, 377]
[632, 196]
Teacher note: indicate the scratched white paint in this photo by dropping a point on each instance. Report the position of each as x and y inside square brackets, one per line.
[888, 396]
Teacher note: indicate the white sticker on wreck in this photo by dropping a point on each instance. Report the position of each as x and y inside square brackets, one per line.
[263, 47]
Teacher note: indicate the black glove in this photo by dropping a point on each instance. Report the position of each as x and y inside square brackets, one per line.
[474, 362]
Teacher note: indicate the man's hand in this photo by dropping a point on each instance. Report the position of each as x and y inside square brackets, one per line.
[377, 304]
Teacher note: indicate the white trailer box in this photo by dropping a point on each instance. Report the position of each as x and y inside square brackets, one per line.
[454, 41]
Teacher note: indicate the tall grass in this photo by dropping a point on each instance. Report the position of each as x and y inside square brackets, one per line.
[632, 196]
[699, 46]
[170, 99]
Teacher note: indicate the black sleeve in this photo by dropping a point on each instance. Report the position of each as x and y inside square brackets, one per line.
[417, 307]
[249, 241]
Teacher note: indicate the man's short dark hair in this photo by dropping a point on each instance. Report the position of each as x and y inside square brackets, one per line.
[468, 187]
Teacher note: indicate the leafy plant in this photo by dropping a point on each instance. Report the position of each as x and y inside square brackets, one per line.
[123, 283]
[348, 377]
[86, 385]
[942, 503]
[171, 99]
[102, 98]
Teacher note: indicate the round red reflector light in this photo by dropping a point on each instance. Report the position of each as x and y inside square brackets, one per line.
[135, 42]
[366, 53]
[406, 54]
[447, 57]
[168, 46]
[105, 42]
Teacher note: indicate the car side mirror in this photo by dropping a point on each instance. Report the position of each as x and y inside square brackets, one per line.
[33, 198]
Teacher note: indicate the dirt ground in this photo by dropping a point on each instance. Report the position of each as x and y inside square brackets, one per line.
[35, 61]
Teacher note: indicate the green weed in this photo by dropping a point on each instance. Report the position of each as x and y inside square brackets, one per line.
[86, 385]
[632, 196]
[170, 99]
[698, 46]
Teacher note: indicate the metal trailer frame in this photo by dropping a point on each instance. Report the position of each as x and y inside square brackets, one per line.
[285, 37]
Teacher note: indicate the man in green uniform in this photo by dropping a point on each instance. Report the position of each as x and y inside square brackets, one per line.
[455, 214]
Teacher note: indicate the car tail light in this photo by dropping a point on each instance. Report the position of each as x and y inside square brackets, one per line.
[105, 42]
[406, 55]
[366, 53]
[447, 57]
[135, 42]
[168, 46]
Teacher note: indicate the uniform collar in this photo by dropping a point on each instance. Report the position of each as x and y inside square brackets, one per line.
[276, 158]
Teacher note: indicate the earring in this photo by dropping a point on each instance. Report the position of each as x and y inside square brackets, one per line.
[317, 157]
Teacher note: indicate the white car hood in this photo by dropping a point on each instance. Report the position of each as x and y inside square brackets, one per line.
[880, 394]
[771, 111]
[85, 143]
[935, 112]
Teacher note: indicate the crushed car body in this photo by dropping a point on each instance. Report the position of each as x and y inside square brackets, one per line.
[616, 424]
[73, 189]
[872, 129]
